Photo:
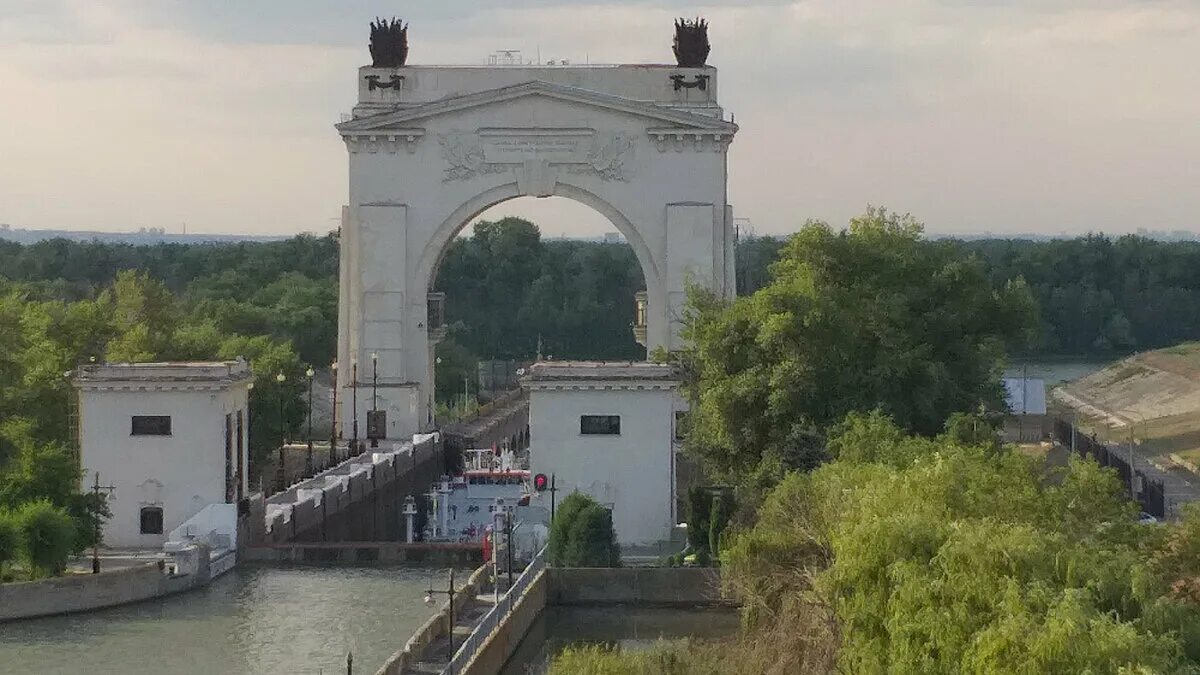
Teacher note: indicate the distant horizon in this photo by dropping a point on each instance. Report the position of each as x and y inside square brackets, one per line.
[8, 229]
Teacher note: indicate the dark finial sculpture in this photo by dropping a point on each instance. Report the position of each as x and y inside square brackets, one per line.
[389, 43]
[691, 43]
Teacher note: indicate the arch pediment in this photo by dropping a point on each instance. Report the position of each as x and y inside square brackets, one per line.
[407, 121]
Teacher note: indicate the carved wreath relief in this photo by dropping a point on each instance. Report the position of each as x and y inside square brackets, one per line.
[468, 154]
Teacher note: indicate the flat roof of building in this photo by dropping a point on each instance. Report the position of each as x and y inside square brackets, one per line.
[166, 371]
[543, 371]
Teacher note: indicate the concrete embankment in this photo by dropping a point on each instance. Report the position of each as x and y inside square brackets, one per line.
[85, 592]
[632, 587]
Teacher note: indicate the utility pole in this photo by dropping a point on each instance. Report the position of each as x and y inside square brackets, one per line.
[373, 432]
[96, 488]
[508, 531]
[552, 498]
[308, 460]
[333, 431]
[354, 391]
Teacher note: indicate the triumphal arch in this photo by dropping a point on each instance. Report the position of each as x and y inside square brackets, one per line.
[431, 147]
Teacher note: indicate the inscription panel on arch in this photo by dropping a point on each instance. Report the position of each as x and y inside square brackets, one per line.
[517, 149]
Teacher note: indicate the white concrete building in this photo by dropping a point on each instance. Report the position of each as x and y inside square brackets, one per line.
[171, 438]
[608, 429]
[431, 147]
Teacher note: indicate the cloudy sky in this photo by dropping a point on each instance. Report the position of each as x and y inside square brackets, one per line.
[974, 115]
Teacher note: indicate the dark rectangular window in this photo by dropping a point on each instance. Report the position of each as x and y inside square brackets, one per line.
[600, 425]
[152, 520]
[151, 425]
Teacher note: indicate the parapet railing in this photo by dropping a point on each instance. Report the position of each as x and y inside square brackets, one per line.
[489, 622]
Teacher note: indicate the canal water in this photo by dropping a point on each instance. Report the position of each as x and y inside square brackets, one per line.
[252, 620]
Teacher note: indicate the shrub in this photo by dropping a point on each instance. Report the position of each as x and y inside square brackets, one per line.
[582, 535]
[10, 539]
[564, 515]
[592, 541]
[700, 503]
[722, 511]
[47, 536]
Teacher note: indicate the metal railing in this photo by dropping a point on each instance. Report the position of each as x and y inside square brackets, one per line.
[490, 621]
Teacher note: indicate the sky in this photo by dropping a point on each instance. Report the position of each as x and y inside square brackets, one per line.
[1001, 116]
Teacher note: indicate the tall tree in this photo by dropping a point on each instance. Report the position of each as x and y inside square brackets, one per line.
[871, 317]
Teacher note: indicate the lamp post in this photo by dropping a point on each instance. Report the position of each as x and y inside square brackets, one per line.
[96, 488]
[333, 430]
[354, 392]
[450, 634]
[308, 459]
[374, 394]
[281, 473]
[553, 490]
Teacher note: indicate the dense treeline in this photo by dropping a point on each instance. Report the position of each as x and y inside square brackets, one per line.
[1101, 295]
[1098, 295]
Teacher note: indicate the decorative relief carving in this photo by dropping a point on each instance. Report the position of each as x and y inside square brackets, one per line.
[608, 157]
[464, 153]
[469, 154]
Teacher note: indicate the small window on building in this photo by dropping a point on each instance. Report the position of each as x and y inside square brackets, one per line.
[151, 425]
[680, 422]
[152, 520]
[600, 425]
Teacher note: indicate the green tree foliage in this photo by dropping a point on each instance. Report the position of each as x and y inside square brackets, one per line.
[722, 512]
[1100, 295]
[875, 316]
[506, 287]
[582, 535]
[47, 537]
[10, 540]
[938, 556]
[700, 504]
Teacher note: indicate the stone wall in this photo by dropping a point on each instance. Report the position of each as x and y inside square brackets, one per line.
[83, 592]
[502, 643]
[643, 586]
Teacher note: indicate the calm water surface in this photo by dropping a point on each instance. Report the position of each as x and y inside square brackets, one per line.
[252, 620]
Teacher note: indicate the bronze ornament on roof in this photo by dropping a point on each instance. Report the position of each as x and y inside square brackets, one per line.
[389, 43]
[691, 42]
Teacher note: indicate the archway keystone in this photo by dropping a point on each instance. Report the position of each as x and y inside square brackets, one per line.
[447, 142]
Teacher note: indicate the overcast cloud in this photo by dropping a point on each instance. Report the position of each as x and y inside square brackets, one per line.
[974, 115]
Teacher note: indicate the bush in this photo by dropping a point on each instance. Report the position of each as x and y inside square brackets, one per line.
[564, 515]
[582, 535]
[10, 539]
[47, 536]
[700, 503]
[722, 511]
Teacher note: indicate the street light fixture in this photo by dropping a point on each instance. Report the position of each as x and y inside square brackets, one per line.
[374, 397]
[308, 459]
[429, 601]
[354, 392]
[333, 430]
[280, 473]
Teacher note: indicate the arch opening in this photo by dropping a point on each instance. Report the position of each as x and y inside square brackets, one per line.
[527, 278]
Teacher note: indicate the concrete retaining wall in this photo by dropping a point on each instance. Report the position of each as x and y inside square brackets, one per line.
[436, 626]
[645, 586]
[502, 643]
[83, 592]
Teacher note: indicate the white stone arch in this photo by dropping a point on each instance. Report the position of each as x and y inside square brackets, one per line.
[435, 249]
[432, 147]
